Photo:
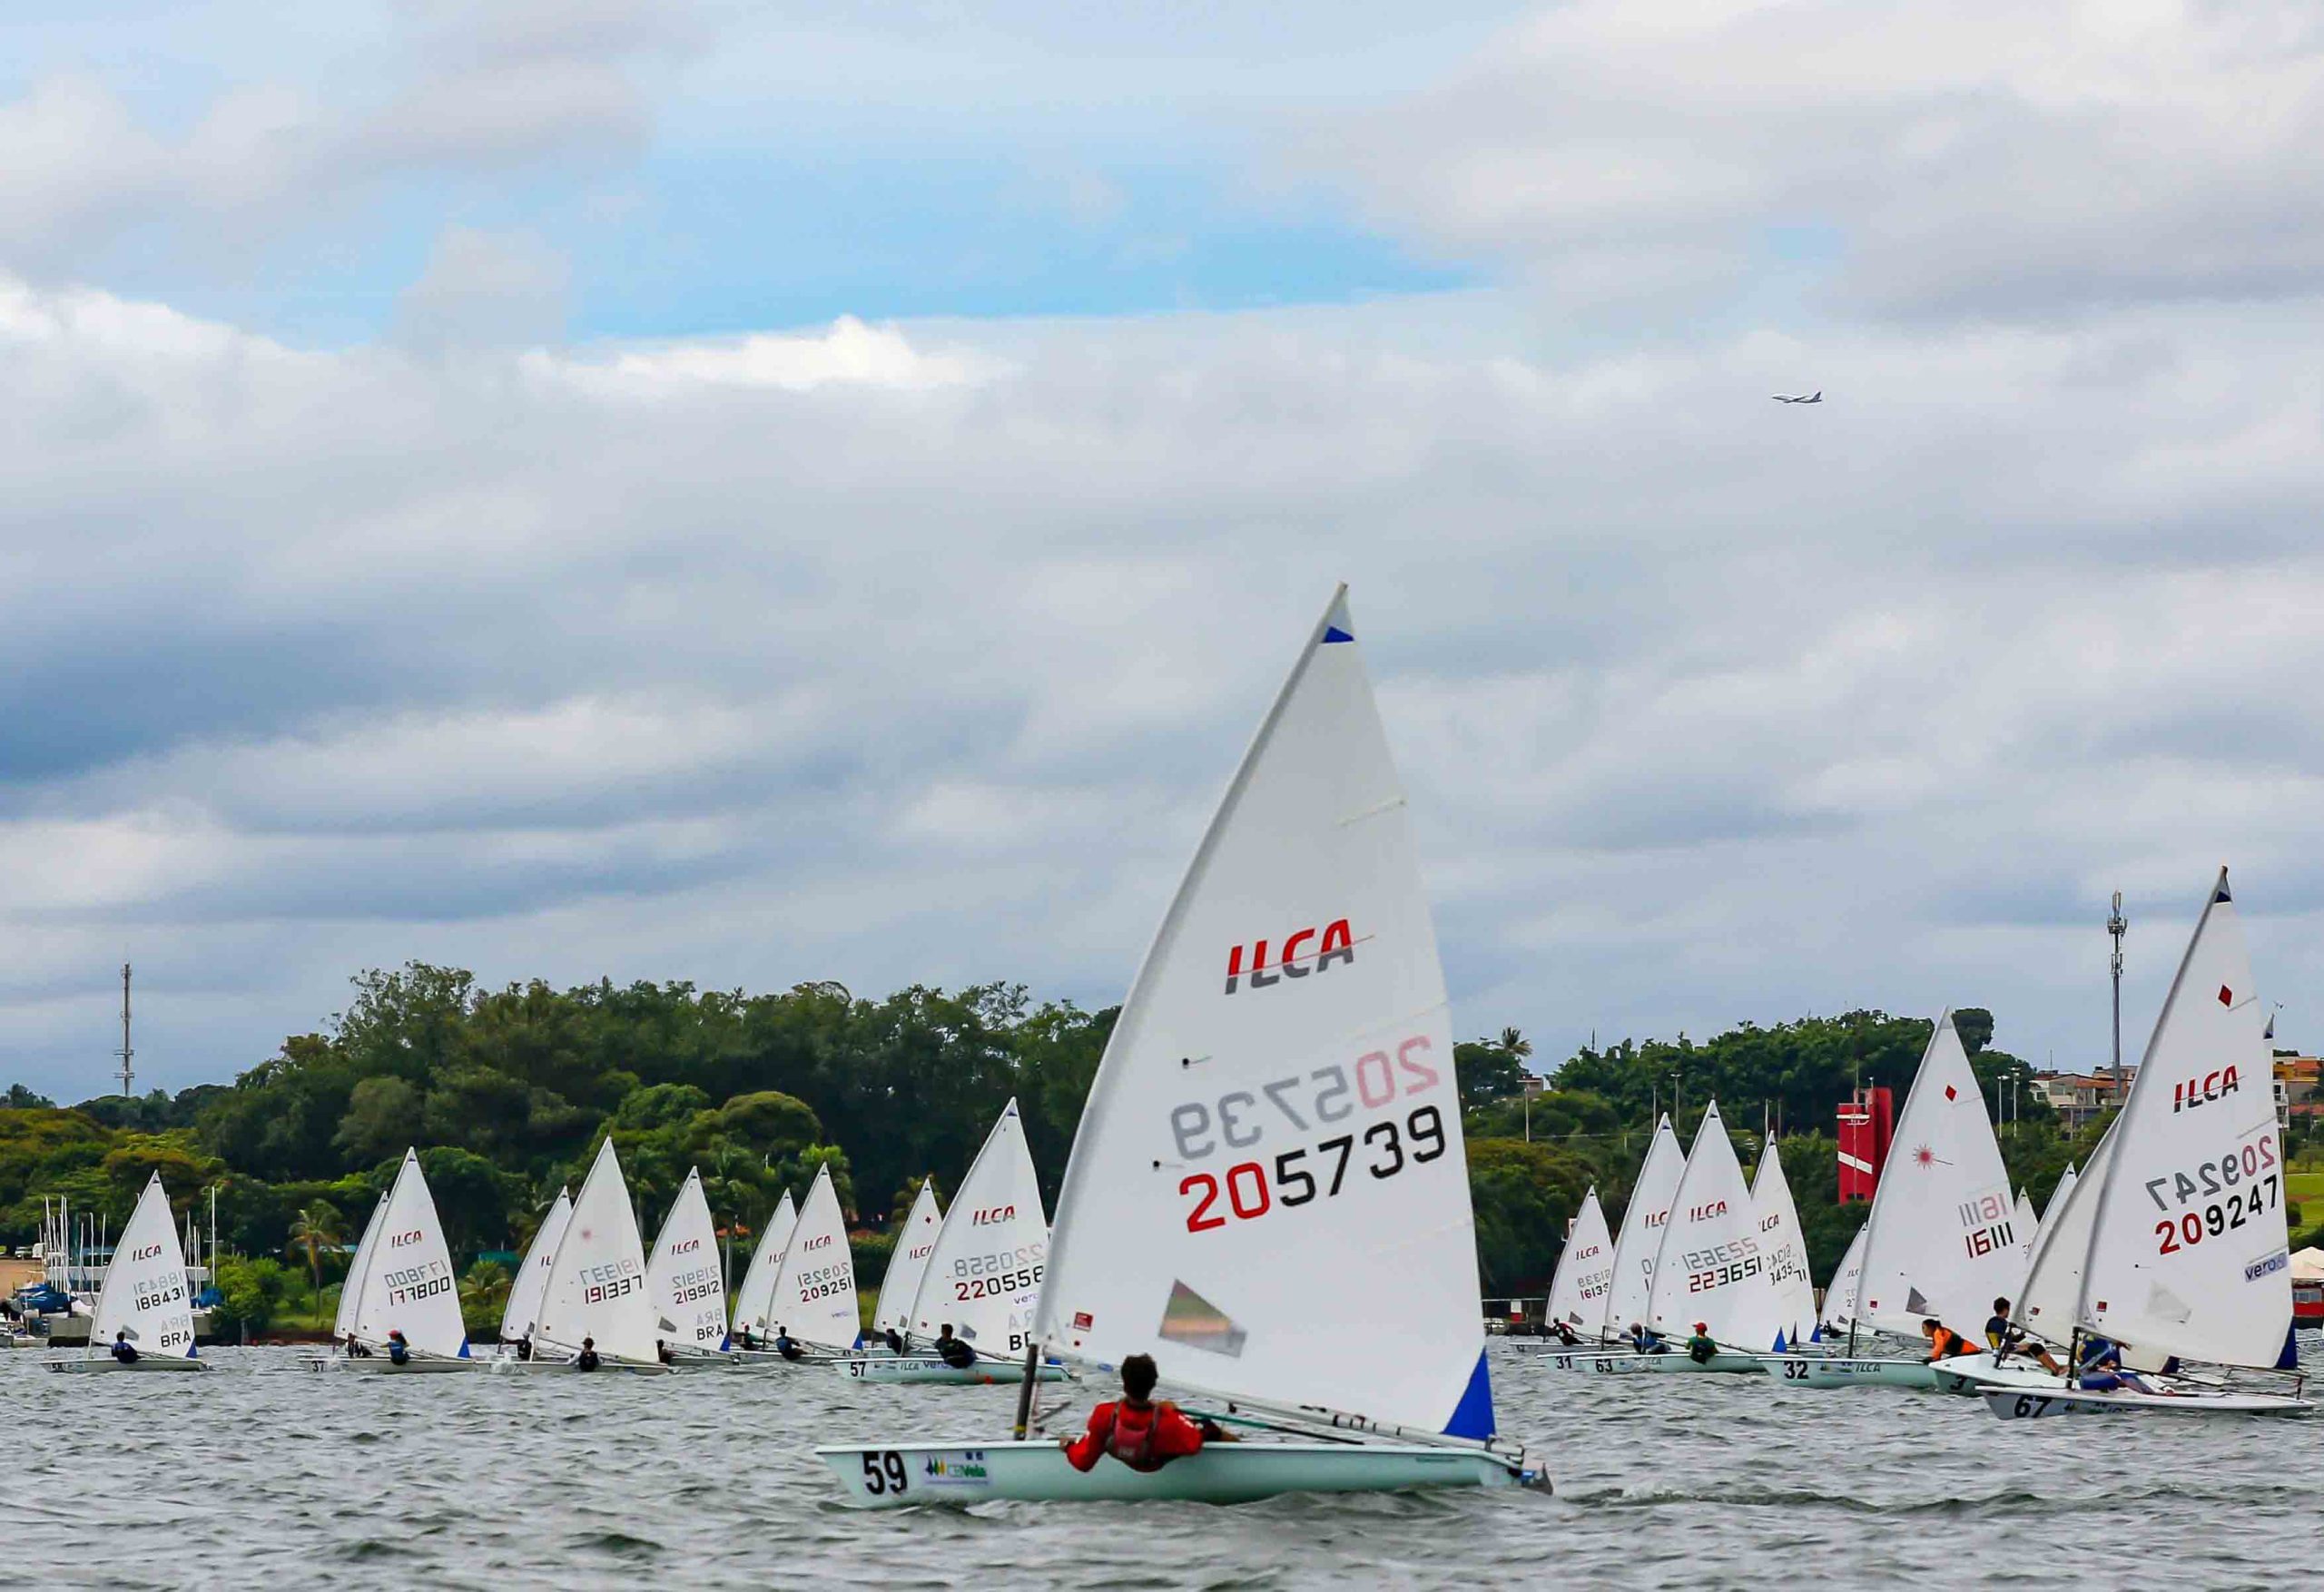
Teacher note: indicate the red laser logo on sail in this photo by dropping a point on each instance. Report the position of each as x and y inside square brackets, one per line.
[1336, 944]
[2218, 1085]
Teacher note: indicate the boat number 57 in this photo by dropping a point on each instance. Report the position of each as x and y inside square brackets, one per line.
[883, 1473]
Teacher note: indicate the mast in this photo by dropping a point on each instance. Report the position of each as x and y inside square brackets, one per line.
[126, 1052]
[2115, 925]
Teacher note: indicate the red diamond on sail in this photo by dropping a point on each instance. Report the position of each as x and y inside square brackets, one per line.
[1951, 1093]
[2226, 996]
[1082, 1320]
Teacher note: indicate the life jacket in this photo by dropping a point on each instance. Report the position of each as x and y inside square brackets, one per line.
[1130, 1439]
[1945, 1343]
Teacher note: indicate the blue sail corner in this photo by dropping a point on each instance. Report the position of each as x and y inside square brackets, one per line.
[1472, 1418]
[1333, 633]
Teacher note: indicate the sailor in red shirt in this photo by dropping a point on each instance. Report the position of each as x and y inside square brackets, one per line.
[1140, 1433]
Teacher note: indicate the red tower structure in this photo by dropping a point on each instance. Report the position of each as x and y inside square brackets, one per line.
[1867, 1122]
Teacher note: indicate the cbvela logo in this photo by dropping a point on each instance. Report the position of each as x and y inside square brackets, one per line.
[1336, 944]
[2268, 1267]
[2216, 1085]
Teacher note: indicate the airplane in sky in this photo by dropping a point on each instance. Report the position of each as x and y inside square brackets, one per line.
[1817, 399]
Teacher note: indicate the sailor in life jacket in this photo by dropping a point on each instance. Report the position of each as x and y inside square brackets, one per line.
[1943, 1342]
[1142, 1434]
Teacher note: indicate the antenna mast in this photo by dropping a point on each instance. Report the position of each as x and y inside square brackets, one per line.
[2115, 924]
[126, 1052]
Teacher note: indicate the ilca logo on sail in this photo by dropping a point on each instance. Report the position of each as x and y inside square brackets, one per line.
[1336, 944]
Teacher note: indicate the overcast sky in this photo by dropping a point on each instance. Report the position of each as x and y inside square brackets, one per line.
[747, 494]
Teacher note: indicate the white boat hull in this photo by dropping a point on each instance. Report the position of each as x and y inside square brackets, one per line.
[2010, 1404]
[912, 1368]
[381, 1365]
[538, 1366]
[1814, 1371]
[108, 1363]
[1671, 1364]
[1973, 1374]
[767, 1358]
[959, 1474]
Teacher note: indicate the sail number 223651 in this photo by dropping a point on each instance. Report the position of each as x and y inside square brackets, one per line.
[1299, 1105]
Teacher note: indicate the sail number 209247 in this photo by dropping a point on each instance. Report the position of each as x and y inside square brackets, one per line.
[2252, 1167]
[1328, 1096]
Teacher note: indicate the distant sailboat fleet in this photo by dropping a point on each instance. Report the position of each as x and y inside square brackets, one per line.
[1268, 1195]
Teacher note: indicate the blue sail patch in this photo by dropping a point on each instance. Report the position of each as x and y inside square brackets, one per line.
[1333, 633]
[1473, 1417]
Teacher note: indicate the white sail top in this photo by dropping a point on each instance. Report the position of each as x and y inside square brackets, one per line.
[1642, 1223]
[525, 1290]
[1839, 1299]
[908, 1262]
[1585, 1271]
[755, 1298]
[2067, 1181]
[1786, 1247]
[1942, 1240]
[144, 1291]
[1712, 1267]
[684, 1277]
[814, 1286]
[2191, 1254]
[2028, 1225]
[985, 1275]
[2053, 1291]
[351, 1288]
[1271, 1152]
[410, 1286]
[596, 1285]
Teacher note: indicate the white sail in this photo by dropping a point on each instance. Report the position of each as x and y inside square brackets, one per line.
[2067, 1181]
[1712, 1267]
[2029, 1225]
[1271, 1151]
[1942, 1240]
[144, 1292]
[755, 1298]
[814, 1285]
[1642, 1223]
[908, 1262]
[523, 1312]
[1839, 1299]
[597, 1283]
[2053, 1291]
[2190, 1254]
[410, 1286]
[682, 1275]
[1585, 1271]
[351, 1288]
[1785, 1246]
[985, 1275]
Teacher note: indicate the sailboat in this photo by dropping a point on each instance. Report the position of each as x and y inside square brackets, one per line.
[1632, 1268]
[2045, 1304]
[755, 1299]
[1585, 1271]
[1271, 1152]
[523, 1311]
[595, 1295]
[1786, 1247]
[2189, 1252]
[350, 1288]
[908, 1261]
[1711, 1268]
[983, 1275]
[1942, 1239]
[403, 1283]
[813, 1295]
[685, 1280]
[1839, 1299]
[144, 1298]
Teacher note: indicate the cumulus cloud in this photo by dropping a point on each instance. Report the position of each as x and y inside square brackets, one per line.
[1993, 159]
[922, 651]
[484, 290]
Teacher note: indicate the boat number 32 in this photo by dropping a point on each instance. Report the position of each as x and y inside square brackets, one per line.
[883, 1473]
[1249, 1193]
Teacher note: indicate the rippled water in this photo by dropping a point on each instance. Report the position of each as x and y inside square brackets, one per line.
[266, 1474]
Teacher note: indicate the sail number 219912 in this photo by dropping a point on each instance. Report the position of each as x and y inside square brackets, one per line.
[1301, 1105]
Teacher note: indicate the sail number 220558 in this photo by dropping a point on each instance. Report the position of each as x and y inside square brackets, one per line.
[1324, 1097]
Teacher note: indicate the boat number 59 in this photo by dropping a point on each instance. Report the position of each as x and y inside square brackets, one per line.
[883, 1473]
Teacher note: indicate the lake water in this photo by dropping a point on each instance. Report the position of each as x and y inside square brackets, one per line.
[266, 1474]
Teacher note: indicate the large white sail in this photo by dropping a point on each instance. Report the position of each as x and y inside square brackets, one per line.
[755, 1299]
[1642, 1223]
[1271, 1150]
[351, 1288]
[523, 1312]
[683, 1275]
[985, 1274]
[1712, 1267]
[908, 1262]
[596, 1285]
[1585, 1271]
[1839, 1299]
[144, 1291]
[814, 1287]
[1942, 1240]
[2053, 1291]
[1786, 1247]
[410, 1286]
[2191, 1254]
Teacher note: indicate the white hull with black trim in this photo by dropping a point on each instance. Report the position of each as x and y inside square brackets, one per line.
[926, 1369]
[960, 1474]
[2010, 1404]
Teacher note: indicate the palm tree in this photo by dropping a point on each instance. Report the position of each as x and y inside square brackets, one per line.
[314, 1229]
[1516, 1044]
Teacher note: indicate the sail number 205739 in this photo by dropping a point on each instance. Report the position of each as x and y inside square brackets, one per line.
[1322, 1098]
